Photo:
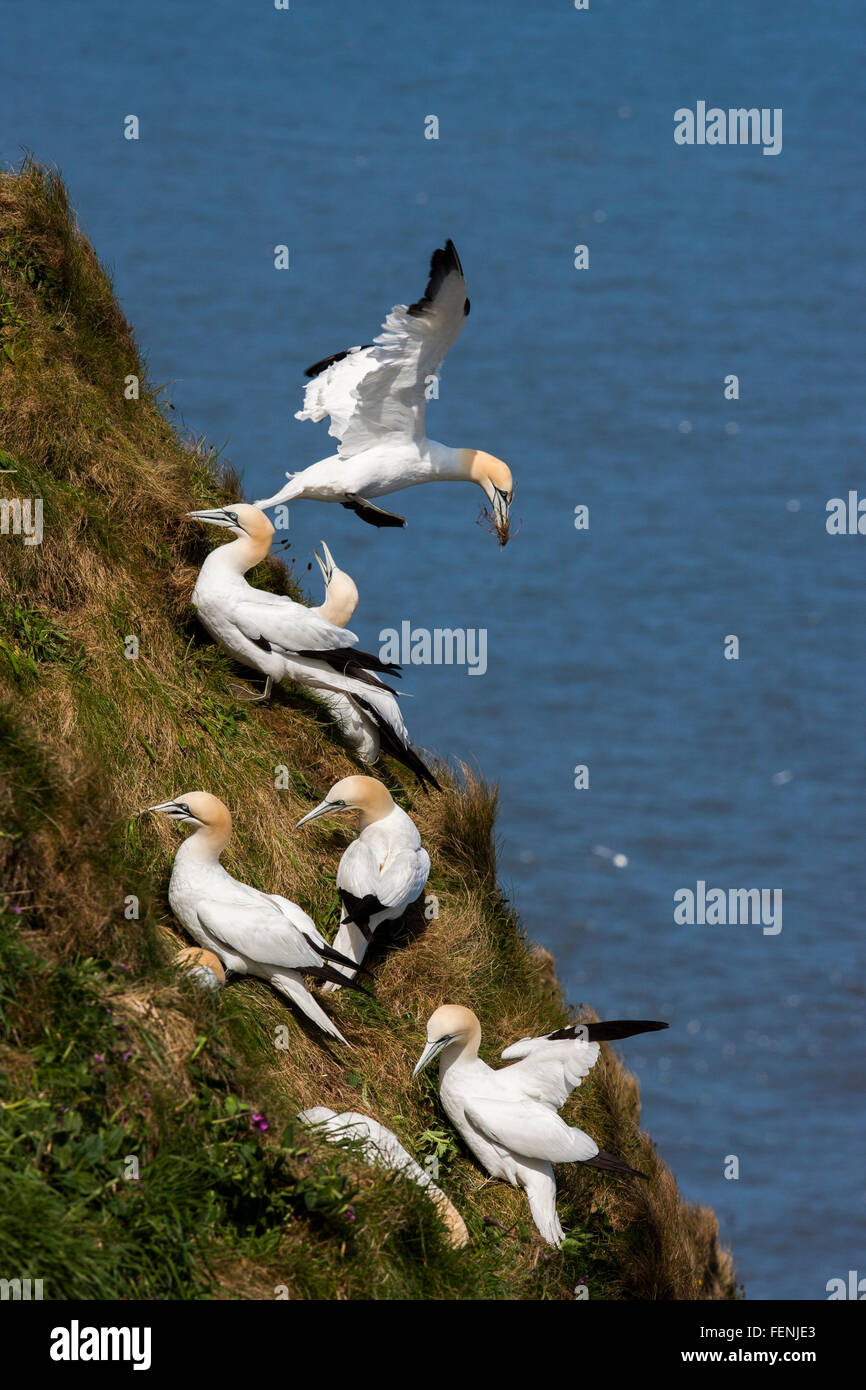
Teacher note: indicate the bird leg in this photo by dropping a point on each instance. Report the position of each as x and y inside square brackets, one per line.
[369, 512]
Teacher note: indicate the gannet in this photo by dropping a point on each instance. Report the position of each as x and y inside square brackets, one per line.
[383, 1149]
[203, 967]
[250, 932]
[283, 639]
[508, 1117]
[341, 600]
[376, 398]
[382, 871]
[358, 727]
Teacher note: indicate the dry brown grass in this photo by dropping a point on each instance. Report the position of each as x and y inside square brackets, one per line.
[90, 738]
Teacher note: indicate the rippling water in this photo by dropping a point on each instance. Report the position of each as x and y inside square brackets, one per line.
[601, 387]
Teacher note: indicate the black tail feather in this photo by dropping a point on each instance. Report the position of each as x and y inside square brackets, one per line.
[327, 973]
[328, 953]
[395, 748]
[608, 1163]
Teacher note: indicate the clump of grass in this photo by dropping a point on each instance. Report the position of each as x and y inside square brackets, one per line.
[88, 737]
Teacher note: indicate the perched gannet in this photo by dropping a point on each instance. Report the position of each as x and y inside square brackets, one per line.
[286, 640]
[376, 397]
[250, 932]
[358, 727]
[381, 872]
[508, 1117]
[384, 1150]
[203, 967]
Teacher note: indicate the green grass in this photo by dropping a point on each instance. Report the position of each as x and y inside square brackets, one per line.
[107, 1051]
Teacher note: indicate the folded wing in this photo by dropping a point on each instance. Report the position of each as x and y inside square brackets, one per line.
[529, 1129]
[260, 932]
[399, 880]
[289, 626]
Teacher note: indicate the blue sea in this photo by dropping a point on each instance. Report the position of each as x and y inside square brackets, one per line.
[602, 388]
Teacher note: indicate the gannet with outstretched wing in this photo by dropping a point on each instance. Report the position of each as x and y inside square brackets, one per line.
[250, 932]
[286, 640]
[383, 1149]
[382, 871]
[508, 1117]
[376, 398]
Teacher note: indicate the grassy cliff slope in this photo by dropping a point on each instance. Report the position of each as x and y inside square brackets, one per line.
[147, 1144]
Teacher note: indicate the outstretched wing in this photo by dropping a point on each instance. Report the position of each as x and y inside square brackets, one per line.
[529, 1129]
[378, 390]
[550, 1068]
[260, 932]
[289, 626]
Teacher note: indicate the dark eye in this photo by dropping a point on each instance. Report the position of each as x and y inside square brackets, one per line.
[185, 809]
[233, 516]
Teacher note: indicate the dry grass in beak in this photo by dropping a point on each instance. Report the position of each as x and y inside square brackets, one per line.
[491, 522]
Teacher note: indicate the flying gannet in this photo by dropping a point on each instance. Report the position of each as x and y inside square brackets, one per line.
[508, 1117]
[376, 398]
[250, 932]
[382, 871]
[383, 1149]
[286, 640]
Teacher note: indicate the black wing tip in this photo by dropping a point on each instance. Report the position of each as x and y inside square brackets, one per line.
[609, 1031]
[349, 661]
[360, 910]
[443, 261]
[326, 362]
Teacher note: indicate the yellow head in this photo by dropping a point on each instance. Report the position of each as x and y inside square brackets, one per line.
[451, 1025]
[365, 794]
[494, 477]
[341, 593]
[243, 520]
[207, 813]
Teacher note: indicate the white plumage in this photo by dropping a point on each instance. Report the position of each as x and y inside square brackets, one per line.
[359, 728]
[286, 640]
[381, 872]
[250, 932]
[508, 1117]
[383, 1149]
[376, 395]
